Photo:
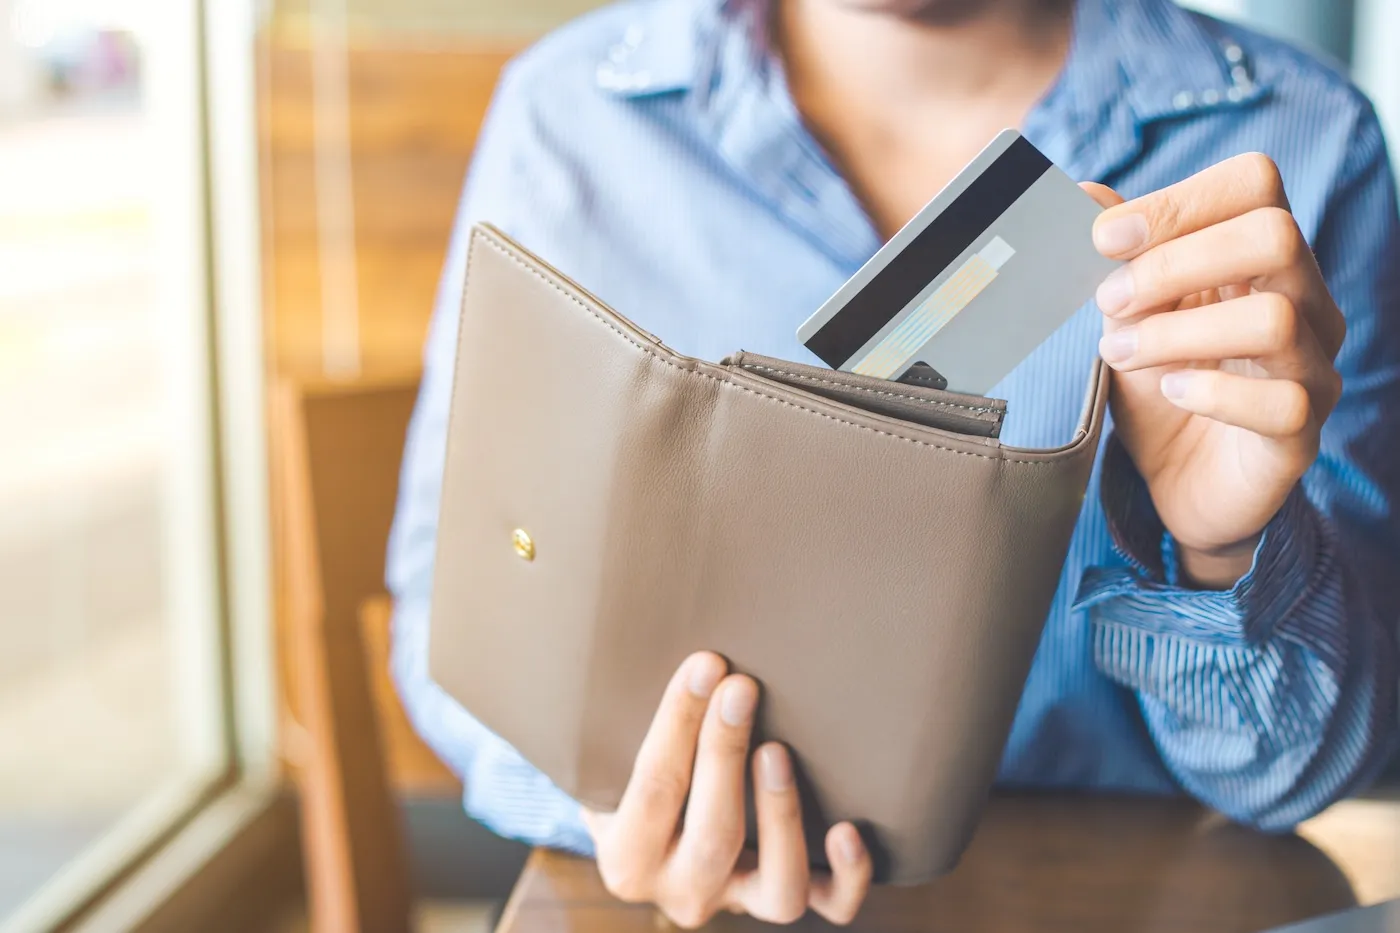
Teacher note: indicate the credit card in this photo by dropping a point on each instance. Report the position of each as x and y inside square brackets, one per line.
[978, 279]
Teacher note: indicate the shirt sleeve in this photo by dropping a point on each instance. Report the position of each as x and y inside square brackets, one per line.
[502, 790]
[1272, 699]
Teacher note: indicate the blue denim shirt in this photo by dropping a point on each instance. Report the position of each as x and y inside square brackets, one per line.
[652, 152]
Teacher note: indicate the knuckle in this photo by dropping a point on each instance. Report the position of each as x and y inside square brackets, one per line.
[624, 881]
[1154, 272]
[1155, 337]
[785, 912]
[1281, 236]
[842, 915]
[660, 789]
[1292, 408]
[688, 913]
[717, 851]
[727, 740]
[1313, 446]
[1334, 385]
[1264, 179]
[1164, 215]
[1278, 322]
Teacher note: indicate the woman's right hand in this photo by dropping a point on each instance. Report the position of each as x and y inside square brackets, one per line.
[693, 764]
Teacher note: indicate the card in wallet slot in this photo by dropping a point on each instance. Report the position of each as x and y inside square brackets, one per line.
[904, 401]
[869, 551]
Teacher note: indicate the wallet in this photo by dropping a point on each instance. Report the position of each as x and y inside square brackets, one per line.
[867, 550]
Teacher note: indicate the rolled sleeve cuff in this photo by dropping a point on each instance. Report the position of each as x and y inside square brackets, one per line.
[1145, 593]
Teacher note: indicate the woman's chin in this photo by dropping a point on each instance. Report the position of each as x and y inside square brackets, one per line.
[916, 9]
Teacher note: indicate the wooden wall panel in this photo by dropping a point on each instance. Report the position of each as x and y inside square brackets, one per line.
[414, 113]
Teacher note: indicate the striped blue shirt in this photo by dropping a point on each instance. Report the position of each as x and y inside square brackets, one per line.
[652, 152]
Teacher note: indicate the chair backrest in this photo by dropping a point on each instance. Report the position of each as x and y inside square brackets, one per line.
[337, 448]
[344, 444]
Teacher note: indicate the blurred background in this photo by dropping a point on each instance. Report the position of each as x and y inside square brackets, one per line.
[85, 689]
[125, 195]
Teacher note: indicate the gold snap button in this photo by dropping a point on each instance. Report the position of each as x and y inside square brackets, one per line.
[524, 544]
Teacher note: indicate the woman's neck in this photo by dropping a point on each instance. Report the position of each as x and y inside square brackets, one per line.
[954, 52]
[902, 102]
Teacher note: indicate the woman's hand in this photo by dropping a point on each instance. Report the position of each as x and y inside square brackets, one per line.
[693, 762]
[1223, 335]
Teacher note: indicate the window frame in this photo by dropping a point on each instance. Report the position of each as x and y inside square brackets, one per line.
[1376, 67]
[206, 85]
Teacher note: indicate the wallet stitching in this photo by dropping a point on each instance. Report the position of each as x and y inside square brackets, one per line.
[855, 388]
[510, 254]
[915, 379]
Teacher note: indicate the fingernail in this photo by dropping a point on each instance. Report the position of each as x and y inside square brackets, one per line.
[1119, 346]
[776, 768]
[850, 845]
[1116, 291]
[1174, 385]
[705, 672]
[1120, 235]
[736, 706]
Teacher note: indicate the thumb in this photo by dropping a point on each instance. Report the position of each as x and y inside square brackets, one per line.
[1105, 195]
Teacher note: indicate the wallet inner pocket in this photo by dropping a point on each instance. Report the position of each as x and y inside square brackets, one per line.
[933, 408]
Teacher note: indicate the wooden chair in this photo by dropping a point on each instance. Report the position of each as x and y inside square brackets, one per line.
[337, 449]
[414, 114]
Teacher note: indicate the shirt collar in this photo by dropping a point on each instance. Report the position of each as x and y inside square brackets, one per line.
[1131, 62]
[1175, 61]
[662, 49]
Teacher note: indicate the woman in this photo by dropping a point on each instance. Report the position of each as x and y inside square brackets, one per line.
[716, 169]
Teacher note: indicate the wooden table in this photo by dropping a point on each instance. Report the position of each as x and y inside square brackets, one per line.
[1073, 864]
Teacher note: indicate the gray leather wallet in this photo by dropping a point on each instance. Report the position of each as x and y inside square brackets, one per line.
[868, 551]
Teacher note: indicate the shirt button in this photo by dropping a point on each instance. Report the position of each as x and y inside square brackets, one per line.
[1183, 100]
[1210, 97]
[1234, 54]
[1235, 93]
[609, 77]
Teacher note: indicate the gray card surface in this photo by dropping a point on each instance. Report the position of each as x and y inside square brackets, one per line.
[978, 279]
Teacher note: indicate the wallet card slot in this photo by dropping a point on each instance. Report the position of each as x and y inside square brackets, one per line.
[939, 409]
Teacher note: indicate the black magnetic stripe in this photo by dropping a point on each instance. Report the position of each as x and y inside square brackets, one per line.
[941, 242]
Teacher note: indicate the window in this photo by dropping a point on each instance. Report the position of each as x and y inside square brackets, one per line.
[115, 707]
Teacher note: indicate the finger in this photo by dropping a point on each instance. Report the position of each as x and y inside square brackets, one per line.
[838, 896]
[1103, 194]
[1261, 326]
[778, 891]
[1263, 249]
[646, 820]
[713, 833]
[1276, 408]
[1228, 189]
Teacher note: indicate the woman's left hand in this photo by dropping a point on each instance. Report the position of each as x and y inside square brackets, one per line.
[1222, 335]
